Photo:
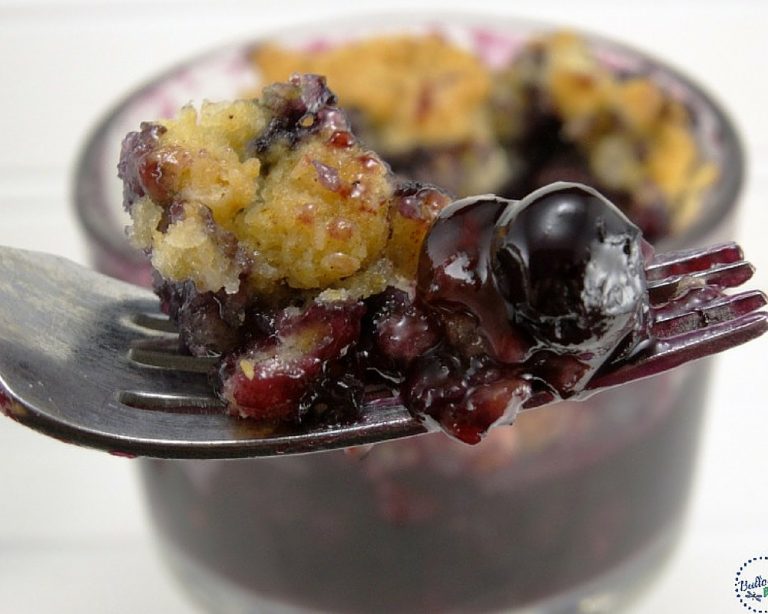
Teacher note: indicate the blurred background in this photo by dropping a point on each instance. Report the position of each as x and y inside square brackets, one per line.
[73, 532]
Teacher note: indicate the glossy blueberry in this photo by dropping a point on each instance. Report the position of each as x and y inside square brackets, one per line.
[569, 265]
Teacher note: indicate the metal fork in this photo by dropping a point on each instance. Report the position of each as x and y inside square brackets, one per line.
[91, 361]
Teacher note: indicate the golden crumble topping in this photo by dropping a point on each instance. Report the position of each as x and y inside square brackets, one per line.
[188, 250]
[205, 160]
[273, 194]
[412, 90]
[322, 214]
[635, 137]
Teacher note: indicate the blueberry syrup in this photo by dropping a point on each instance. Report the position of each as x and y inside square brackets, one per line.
[455, 273]
[531, 295]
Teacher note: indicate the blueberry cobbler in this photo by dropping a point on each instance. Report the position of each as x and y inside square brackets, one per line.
[285, 246]
[319, 272]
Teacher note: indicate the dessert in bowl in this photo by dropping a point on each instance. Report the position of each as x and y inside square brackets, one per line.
[574, 500]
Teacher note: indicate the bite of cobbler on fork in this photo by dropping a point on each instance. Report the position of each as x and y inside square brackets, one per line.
[316, 280]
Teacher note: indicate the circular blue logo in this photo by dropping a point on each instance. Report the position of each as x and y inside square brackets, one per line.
[751, 584]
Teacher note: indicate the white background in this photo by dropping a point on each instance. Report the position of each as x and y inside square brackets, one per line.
[73, 532]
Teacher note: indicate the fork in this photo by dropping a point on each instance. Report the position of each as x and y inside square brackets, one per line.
[90, 360]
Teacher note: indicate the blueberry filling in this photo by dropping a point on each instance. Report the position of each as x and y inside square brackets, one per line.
[512, 298]
[531, 295]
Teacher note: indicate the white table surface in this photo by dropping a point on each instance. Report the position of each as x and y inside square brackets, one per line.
[74, 536]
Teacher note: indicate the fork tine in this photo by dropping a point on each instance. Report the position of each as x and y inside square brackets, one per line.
[673, 351]
[715, 326]
[726, 275]
[162, 368]
[721, 310]
[176, 362]
[691, 260]
[171, 403]
[156, 322]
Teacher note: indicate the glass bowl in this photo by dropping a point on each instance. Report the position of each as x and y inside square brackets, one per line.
[572, 509]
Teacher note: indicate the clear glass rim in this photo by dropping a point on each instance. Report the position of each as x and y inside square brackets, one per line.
[89, 195]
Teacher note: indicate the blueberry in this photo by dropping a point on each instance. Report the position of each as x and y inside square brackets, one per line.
[569, 266]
